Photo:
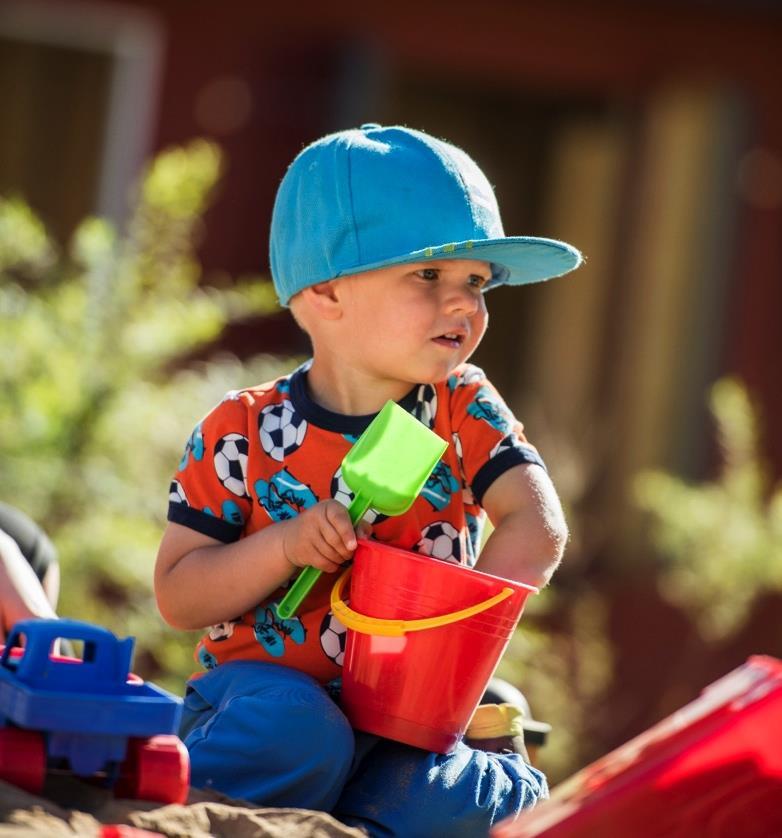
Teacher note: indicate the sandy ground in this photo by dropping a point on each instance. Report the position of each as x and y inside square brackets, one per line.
[71, 807]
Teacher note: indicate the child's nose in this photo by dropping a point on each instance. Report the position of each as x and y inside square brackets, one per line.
[463, 299]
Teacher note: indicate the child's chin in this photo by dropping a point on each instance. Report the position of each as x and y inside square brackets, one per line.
[437, 377]
[434, 373]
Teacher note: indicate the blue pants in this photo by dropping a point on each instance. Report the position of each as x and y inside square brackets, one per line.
[271, 735]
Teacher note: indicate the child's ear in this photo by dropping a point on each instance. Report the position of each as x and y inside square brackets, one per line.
[323, 298]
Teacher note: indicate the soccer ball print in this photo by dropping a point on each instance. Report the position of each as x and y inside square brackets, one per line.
[469, 375]
[222, 631]
[425, 408]
[176, 494]
[467, 495]
[333, 637]
[281, 430]
[507, 443]
[230, 460]
[340, 491]
[441, 540]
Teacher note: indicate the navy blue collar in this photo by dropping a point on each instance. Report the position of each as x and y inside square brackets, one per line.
[327, 419]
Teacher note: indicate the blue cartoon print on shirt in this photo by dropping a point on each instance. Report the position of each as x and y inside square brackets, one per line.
[194, 446]
[232, 513]
[206, 658]
[485, 407]
[284, 496]
[271, 630]
[440, 486]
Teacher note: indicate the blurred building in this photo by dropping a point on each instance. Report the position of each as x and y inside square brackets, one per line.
[647, 134]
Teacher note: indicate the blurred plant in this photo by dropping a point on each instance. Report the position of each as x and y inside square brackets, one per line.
[722, 539]
[562, 660]
[95, 404]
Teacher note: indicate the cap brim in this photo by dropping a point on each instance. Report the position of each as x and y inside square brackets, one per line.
[515, 260]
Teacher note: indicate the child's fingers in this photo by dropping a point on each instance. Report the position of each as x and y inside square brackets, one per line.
[326, 565]
[327, 551]
[321, 555]
[331, 542]
[344, 537]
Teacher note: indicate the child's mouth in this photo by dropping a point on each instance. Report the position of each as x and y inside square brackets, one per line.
[450, 339]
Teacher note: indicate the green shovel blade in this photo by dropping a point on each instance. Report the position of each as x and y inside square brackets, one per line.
[385, 469]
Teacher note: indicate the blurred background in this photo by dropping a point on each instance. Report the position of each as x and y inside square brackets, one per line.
[141, 144]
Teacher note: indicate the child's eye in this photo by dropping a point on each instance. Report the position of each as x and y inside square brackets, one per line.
[478, 281]
[428, 273]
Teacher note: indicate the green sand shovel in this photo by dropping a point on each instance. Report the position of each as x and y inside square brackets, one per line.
[385, 469]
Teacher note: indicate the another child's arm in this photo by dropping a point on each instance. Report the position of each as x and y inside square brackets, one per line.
[200, 581]
[529, 526]
[21, 594]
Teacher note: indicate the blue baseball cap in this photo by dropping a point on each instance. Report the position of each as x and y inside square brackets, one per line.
[376, 196]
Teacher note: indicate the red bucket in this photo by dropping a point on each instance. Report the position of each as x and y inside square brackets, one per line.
[424, 638]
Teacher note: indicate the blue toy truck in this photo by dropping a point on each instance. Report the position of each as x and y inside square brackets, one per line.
[89, 716]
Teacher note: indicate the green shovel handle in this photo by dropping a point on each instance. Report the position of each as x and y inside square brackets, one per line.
[298, 592]
[306, 580]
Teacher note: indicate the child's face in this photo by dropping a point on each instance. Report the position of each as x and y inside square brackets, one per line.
[415, 323]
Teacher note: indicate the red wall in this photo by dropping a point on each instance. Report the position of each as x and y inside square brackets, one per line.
[292, 56]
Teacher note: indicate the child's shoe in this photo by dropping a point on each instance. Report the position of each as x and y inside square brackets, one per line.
[498, 728]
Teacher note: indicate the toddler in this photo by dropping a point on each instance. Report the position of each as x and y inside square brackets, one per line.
[384, 241]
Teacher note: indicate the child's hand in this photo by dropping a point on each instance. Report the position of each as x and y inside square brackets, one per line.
[321, 536]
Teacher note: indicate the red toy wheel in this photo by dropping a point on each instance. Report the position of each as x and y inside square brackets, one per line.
[22, 758]
[155, 769]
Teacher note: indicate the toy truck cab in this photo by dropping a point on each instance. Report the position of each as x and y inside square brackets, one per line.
[89, 716]
[105, 661]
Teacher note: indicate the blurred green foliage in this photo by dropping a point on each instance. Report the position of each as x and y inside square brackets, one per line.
[96, 396]
[717, 548]
[562, 660]
[721, 540]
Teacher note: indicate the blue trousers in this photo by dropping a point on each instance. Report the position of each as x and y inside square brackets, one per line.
[273, 736]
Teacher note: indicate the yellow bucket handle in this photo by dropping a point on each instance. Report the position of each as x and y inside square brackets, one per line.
[396, 628]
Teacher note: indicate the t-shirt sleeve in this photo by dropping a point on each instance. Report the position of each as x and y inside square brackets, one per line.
[490, 440]
[209, 490]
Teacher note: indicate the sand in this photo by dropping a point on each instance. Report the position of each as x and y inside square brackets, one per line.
[72, 807]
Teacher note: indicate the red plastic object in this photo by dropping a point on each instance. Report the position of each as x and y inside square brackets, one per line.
[422, 688]
[714, 768]
[22, 758]
[157, 768]
[121, 830]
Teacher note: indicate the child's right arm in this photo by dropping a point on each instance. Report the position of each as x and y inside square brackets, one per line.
[200, 581]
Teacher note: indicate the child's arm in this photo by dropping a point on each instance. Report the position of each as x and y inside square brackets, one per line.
[200, 581]
[530, 530]
[21, 594]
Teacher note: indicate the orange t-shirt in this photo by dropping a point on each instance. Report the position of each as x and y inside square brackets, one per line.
[265, 453]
